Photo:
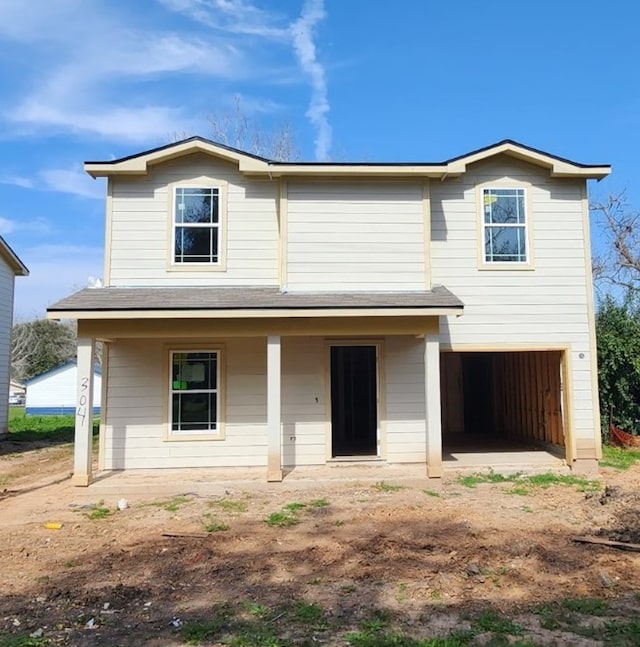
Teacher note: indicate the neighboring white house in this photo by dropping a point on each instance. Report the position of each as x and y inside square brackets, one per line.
[54, 391]
[10, 267]
[261, 313]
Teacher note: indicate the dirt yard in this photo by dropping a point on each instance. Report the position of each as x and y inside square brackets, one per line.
[364, 562]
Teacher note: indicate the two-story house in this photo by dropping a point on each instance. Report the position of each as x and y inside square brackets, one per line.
[261, 313]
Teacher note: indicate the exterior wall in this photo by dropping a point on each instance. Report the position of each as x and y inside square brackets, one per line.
[545, 306]
[355, 236]
[137, 405]
[6, 319]
[137, 409]
[55, 393]
[405, 400]
[138, 248]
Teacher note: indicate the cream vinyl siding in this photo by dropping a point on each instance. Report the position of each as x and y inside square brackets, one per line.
[405, 405]
[544, 306]
[140, 234]
[304, 401]
[355, 236]
[137, 405]
[6, 318]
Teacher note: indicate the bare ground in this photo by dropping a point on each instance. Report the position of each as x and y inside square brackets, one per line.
[413, 561]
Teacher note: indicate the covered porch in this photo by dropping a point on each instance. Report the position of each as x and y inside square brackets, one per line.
[318, 380]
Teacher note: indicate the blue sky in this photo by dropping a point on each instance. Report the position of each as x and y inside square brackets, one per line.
[354, 79]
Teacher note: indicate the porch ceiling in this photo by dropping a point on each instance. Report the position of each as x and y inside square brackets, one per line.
[249, 303]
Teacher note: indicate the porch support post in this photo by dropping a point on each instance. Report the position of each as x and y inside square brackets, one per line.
[84, 414]
[432, 403]
[274, 415]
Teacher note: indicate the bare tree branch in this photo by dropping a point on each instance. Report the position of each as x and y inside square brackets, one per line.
[619, 264]
[235, 129]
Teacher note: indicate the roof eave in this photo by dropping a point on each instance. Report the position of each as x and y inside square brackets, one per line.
[12, 259]
[256, 313]
[257, 166]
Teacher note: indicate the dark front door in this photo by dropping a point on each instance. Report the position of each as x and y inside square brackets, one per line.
[354, 410]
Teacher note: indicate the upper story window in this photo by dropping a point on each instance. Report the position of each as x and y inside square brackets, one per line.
[196, 225]
[504, 225]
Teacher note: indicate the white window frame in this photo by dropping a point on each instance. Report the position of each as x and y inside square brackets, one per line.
[216, 433]
[485, 262]
[219, 226]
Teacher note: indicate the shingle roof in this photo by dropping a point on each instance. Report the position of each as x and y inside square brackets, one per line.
[249, 298]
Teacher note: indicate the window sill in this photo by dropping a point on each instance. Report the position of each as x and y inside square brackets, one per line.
[172, 438]
[514, 267]
[198, 267]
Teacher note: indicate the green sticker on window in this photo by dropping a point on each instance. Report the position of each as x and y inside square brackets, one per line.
[176, 385]
[183, 385]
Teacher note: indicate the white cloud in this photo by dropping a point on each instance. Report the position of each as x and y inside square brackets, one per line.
[74, 181]
[84, 85]
[32, 226]
[136, 125]
[55, 272]
[6, 226]
[305, 49]
[234, 16]
[18, 180]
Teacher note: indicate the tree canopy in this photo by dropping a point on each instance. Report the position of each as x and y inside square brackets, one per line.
[40, 345]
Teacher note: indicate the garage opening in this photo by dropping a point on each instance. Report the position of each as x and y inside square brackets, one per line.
[502, 402]
[354, 409]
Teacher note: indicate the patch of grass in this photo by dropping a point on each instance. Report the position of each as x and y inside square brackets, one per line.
[471, 480]
[379, 639]
[72, 563]
[294, 507]
[22, 641]
[256, 636]
[619, 458]
[196, 633]
[518, 490]
[548, 479]
[231, 505]
[522, 484]
[432, 493]
[339, 523]
[621, 633]
[45, 429]
[99, 511]
[282, 519]
[258, 610]
[171, 505]
[587, 606]
[308, 613]
[215, 526]
[495, 622]
[566, 615]
[383, 486]
[319, 503]
[199, 632]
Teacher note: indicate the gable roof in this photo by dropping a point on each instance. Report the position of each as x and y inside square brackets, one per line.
[11, 258]
[58, 369]
[249, 164]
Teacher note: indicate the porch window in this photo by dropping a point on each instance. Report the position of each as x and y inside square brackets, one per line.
[194, 392]
[196, 225]
[504, 225]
